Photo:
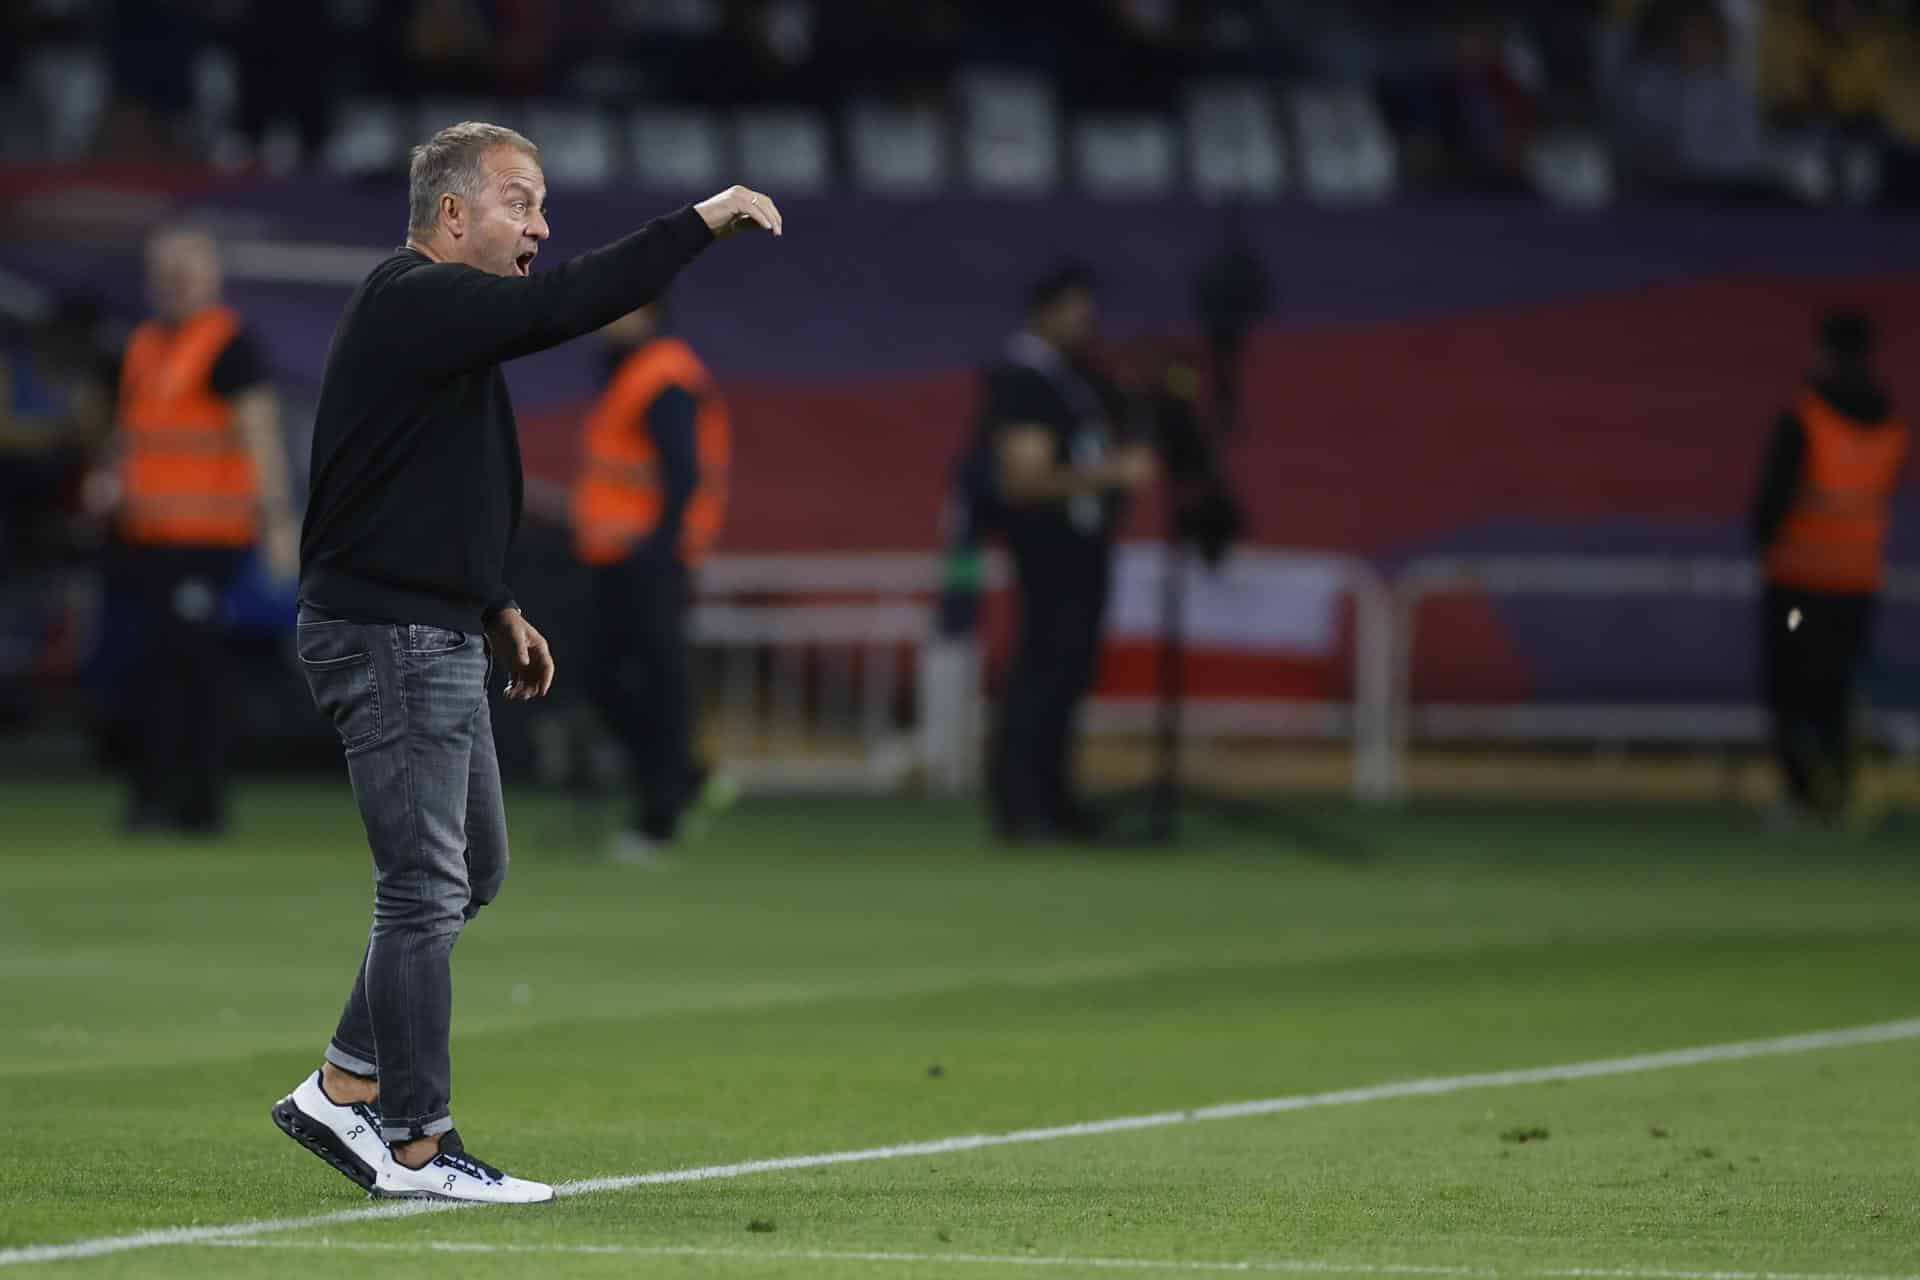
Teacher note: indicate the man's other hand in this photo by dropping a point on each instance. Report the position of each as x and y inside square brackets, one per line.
[280, 547]
[738, 208]
[524, 651]
[1134, 468]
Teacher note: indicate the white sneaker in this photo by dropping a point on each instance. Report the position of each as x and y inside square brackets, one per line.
[346, 1137]
[456, 1175]
[635, 850]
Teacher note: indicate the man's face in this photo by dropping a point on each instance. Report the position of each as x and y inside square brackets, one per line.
[183, 274]
[1072, 321]
[506, 219]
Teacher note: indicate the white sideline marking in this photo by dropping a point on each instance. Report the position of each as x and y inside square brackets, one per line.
[959, 1259]
[1843, 1038]
[1276, 1266]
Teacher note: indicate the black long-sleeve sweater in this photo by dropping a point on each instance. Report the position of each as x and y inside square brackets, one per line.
[416, 482]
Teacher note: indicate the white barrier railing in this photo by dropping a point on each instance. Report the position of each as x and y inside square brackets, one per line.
[1365, 721]
[1586, 576]
[852, 648]
[894, 609]
[858, 642]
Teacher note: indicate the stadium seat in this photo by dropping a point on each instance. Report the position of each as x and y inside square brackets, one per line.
[576, 142]
[896, 148]
[1010, 129]
[1818, 170]
[435, 114]
[216, 92]
[368, 136]
[676, 148]
[1801, 160]
[788, 149]
[1862, 171]
[1572, 169]
[1124, 155]
[1233, 145]
[68, 88]
[1346, 152]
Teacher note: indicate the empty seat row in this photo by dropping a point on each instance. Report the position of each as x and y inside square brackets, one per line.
[1005, 133]
[1003, 130]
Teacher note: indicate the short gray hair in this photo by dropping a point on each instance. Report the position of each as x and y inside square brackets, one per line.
[450, 163]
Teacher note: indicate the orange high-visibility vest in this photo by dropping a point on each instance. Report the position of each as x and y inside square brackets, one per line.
[618, 498]
[1835, 535]
[186, 476]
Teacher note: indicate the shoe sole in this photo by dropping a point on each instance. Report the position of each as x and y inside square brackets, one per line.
[381, 1194]
[323, 1142]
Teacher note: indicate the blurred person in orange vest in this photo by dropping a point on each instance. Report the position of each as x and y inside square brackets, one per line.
[647, 506]
[1820, 523]
[200, 482]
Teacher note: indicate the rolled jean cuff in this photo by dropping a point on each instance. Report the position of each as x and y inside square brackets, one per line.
[351, 1062]
[408, 1130]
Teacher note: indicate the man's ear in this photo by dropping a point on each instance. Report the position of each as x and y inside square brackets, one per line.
[453, 214]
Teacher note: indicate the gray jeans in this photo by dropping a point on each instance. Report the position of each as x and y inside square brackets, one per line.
[410, 705]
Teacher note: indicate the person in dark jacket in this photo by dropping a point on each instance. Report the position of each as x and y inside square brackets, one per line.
[415, 496]
[1819, 523]
[1062, 463]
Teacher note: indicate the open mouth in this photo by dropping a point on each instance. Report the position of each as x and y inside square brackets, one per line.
[523, 265]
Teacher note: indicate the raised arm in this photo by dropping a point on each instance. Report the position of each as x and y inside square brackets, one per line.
[451, 317]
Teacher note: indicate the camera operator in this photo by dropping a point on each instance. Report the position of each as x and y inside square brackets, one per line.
[1061, 465]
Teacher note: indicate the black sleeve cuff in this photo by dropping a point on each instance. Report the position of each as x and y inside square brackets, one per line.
[494, 610]
[687, 222]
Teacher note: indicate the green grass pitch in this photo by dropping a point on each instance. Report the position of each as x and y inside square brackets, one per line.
[824, 976]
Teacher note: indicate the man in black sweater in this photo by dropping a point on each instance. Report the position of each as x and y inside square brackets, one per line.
[416, 493]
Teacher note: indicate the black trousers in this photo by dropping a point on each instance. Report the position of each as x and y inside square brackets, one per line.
[1062, 586]
[178, 683]
[642, 680]
[1809, 673]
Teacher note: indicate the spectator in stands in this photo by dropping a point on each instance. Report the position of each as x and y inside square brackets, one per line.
[1627, 31]
[529, 33]
[1055, 428]
[922, 41]
[451, 46]
[780, 40]
[1901, 177]
[1469, 110]
[1825, 63]
[1820, 522]
[1134, 55]
[647, 507]
[1688, 120]
[675, 52]
[288, 60]
[151, 46]
[203, 479]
